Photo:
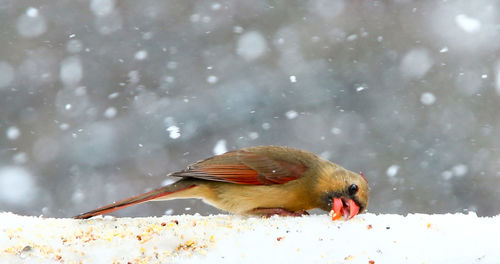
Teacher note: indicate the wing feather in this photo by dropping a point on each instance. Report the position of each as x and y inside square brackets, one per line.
[244, 167]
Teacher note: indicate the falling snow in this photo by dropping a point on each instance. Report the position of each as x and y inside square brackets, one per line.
[427, 98]
[102, 7]
[291, 114]
[220, 147]
[253, 135]
[392, 170]
[416, 63]
[251, 45]
[212, 79]
[460, 170]
[443, 50]
[173, 132]
[360, 88]
[71, 71]
[110, 112]
[141, 55]
[31, 24]
[468, 24]
[336, 130]
[17, 185]
[13, 133]
[169, 212]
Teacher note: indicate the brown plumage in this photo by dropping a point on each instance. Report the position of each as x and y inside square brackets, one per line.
[263, 180]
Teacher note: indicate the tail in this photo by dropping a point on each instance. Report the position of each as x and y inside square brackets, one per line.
[154, 194]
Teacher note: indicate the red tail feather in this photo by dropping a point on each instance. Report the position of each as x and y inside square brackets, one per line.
[157, 193]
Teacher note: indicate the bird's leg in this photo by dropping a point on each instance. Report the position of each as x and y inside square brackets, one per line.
[268, 212]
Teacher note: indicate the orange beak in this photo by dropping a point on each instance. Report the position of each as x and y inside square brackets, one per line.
[344, 207]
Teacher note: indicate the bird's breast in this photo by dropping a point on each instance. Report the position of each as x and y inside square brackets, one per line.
[239, 198]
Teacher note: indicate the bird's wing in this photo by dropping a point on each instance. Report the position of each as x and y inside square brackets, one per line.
[244, 167]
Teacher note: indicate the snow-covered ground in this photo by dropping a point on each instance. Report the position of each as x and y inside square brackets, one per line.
[368, 238]
[100, 99]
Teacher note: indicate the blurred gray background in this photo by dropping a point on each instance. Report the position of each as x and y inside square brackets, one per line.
[101, 99]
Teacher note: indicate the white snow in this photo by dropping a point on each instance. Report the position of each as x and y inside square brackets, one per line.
[367, 238]
[416, 63]
[64, 126]
[220, 147]
[194, 18]
[352, 37]
[293, 78]
[336, 130]
[216, 6]
[443, 50]
[251, 45]
[32, 12]
[113, 95]
[102, 7]
[13, 133]
[6, 74]
[110, 112]
[392, 170]
[31, 24]
[266, 126]
[71, 71]
[460, 170]
[211, 79]
[468, 24]
[174, 132]
[169, 211]
[291, 114]
[141, 55]
[17, 186]
[253, 135]
[427, 98]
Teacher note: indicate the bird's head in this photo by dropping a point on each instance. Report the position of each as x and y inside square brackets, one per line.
[344, 193]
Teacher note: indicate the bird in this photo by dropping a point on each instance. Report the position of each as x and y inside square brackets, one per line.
[265, 181]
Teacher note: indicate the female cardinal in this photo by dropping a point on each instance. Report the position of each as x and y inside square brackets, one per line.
[264, 180]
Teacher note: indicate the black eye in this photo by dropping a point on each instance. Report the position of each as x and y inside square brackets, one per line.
[353, 189]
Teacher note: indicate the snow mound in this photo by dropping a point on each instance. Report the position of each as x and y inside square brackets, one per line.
[368, 238]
